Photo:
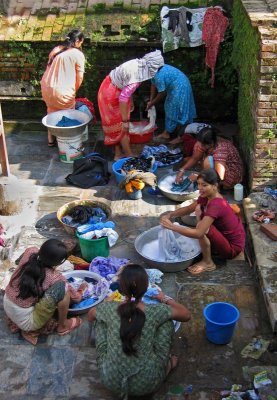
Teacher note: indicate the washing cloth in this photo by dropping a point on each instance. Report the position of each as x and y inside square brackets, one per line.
[163, 155]
[169, 248]
[147, 298]
[214, 26]
[84, 303]
[67, 122]
[181, 187]
[107, 266]
[94, 227]
[140, 129]
[142, 163]
[83, 101]
[111, 234]
[154, 275]
[68, 220]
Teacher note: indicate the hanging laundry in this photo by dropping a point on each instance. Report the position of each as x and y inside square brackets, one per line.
[214, 26]
[181, 27]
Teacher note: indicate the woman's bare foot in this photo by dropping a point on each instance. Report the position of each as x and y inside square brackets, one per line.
[163, 135]
[177, 140]
[201, 267]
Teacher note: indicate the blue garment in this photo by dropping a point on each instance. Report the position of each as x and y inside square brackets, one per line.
[66, 122]
[179, 104]
[95, 227]
[147, 298]
[84, 303]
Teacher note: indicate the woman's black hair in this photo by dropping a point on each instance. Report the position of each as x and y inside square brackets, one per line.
[69, 42]
[50, 255]
[133, 281]
[209, 175]
[207, 136]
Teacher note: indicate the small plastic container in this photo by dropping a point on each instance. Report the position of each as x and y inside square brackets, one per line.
[238, 192]
[91, 248]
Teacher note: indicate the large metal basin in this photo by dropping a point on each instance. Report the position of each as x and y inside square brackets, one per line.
[152, 234]
[51, 120]
[180, 197]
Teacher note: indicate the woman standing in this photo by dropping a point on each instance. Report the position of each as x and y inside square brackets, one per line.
[133, 339]
[114, 99]
[213, 152]
[36, 290]
[179, 105]
[63, 75]
[218, 229]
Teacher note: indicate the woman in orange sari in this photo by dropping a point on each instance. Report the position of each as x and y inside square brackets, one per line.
[114, 99]
[63, 75]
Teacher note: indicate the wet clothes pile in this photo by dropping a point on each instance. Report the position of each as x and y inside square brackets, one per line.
[184, 186]
[66, 122]
[93, 291]
[163, 155]
[141, 163]
[107, 267]
[80, 215]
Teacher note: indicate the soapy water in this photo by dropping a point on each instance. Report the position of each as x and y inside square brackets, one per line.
[167, 183]
[190, 249]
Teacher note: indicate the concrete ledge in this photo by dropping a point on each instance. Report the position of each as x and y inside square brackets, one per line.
[265, 251]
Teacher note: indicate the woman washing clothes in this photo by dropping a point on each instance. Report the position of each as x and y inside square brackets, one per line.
[215, 152]
[174, 85]
[63, 75]
[114, 99]
[218, 229]
[133, 339]
[36, 290]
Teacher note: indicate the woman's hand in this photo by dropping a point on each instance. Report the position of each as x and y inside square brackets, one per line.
[125, 127]
[180, 176]
[165, 216]
[159, 296]
[166, 223]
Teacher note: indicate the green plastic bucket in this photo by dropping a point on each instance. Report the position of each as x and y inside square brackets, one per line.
[91, 248]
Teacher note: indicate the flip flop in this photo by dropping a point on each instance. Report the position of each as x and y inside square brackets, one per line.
[75, 323]
[197, 269]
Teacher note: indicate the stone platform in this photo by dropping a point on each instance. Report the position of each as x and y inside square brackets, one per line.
[64, 368]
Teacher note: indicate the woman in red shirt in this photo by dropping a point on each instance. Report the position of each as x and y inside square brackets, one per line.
[218, 229]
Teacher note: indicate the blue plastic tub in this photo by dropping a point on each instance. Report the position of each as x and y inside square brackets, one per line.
[116, 168]
[221, 320]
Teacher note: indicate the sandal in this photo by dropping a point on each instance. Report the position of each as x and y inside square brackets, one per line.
[263, 215]
[52, 144]
[197, 269]
[75, 323]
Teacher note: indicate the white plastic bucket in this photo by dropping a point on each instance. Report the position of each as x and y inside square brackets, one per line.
[70, 148]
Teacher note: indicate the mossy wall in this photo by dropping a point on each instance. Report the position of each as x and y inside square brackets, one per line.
[245, 58]
[119, 41]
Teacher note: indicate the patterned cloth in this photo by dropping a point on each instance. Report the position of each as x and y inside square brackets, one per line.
[179, 103]
[228, 154]
[214, 27]
[133, 375]
[12, 290]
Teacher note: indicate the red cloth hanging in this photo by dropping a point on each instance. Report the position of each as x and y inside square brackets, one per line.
[214, 26]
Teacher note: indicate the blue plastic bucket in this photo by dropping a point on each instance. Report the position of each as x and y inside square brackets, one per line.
[221, 320]
[116, 168]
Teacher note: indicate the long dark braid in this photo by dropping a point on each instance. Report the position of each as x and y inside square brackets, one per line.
[68, 43]
[32, 276]
[133, 284]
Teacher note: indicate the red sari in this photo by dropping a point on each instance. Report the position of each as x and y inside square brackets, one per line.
[108, 103]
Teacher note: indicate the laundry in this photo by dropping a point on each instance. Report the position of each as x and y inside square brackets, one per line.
[107, 267]
[154, 275]
[163, 155]
[85, 105]
[147, 298]
[255, 348]
[111, 234]
[142, 163]
[183, 186]
[94, 227]
[82, 215]
[67, 122]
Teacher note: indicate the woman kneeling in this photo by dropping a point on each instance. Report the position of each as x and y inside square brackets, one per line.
[218, 229]
[36, 290]
[133, 339]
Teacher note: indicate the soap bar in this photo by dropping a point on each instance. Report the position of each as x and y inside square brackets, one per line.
[270, 230]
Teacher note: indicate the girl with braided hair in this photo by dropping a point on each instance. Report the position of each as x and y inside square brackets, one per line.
[133, 339]
[36, 290]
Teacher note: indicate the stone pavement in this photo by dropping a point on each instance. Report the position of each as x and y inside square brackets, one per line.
[64, 368]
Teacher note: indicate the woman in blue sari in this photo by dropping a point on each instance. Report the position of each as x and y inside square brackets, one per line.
[179, 103]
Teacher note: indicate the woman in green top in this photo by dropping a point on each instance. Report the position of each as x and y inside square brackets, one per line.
[133, 339]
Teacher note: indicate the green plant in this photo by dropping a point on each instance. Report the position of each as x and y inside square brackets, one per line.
[269, 153]
[269, 134]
